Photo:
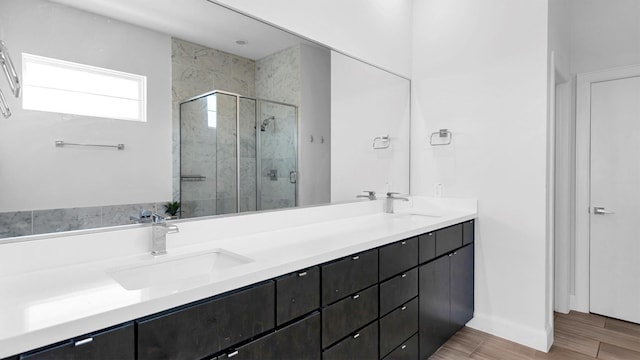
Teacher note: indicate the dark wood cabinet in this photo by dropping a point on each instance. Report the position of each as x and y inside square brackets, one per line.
[448, 239]
[114, 343]
[363, 344]
[398, 290]
[344, 277]
[462, 283]
[427, 247]
[297, 294]
[298, 341]
[348, 315]
[398, 326]
[435, 305]
[468, 232]
[398, 257]
[408, 350]
[203, 329]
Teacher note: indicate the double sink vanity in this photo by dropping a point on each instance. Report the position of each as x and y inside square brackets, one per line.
[342, 281]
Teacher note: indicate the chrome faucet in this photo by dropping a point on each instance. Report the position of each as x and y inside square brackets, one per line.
[388, 206]
[159, 231]
[371, 195]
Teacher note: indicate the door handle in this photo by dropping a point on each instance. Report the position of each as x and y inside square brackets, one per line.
[598, 210]
[293, 177]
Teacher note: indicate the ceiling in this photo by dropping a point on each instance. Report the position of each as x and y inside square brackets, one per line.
[197, 21]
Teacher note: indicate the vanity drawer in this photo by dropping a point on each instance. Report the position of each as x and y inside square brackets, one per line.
[398, 257]
[363, 344]
[348, 315]
[203, 329]
[299, 341]
[348, 275]
[426, 247]
[407, 351]
[468, 229]
[398, 326]
[116, 343]
[398, 290]
[448, 239]
[297, 294]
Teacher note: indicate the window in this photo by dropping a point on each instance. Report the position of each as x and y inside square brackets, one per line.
[64, 87]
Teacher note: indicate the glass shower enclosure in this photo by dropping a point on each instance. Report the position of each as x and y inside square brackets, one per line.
[237, 154]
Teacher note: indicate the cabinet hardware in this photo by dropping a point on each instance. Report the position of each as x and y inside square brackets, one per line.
[232, 354]
[404, 275]
[403, 243]
[403, 308]
[83, 342]
[355, 258]
[404, 346]
[356, 336]
[304, 273]
[356, 296]
[430, 234]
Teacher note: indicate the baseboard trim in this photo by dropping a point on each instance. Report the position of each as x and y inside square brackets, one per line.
[539, 339]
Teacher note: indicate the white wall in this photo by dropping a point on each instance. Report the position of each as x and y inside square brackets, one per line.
[314, 164]
[480, 70]
[376, 31]
[367, 102]
[34, 173]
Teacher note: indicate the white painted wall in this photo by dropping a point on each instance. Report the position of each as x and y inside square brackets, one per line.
[376, 31]
[367, 102]
[34, 173]
[314, 164]
[480, 70]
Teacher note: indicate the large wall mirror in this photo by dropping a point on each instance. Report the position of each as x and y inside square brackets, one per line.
[187, 102]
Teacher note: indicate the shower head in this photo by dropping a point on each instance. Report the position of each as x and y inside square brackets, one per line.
[265, 122]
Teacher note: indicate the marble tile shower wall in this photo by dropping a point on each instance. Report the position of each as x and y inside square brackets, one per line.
[196, 70]
[278, 79]
[24, 223]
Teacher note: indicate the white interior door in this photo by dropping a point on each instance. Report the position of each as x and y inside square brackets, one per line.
[615, 199]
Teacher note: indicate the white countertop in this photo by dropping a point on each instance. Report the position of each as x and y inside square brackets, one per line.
[55, 289]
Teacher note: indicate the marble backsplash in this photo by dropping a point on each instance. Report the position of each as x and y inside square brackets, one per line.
[35, 222]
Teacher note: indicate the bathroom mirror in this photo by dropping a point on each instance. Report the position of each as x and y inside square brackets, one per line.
[321, 111]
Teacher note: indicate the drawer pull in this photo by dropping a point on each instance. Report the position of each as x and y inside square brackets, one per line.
[355, 297]
[304, 273]
[430, 234]
[403, 275]
[403, 243]
[404, 346]
[355, 258]
[403, 308]
[83, 342]
[232, 354]
[356, 336]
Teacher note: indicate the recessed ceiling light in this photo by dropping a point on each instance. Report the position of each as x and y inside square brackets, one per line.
[242, 42]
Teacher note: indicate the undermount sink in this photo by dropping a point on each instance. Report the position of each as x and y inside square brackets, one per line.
[177, 272]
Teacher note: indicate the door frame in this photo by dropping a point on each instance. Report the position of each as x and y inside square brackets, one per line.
[580, 299]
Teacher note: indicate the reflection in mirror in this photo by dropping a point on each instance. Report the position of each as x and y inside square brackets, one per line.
[276, 81]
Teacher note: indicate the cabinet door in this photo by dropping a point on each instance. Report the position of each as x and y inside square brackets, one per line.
[398, 326]
[299, 341]
[363, 344]
[426, 247]
[407, 351]
[461, 287]
[398, 257]
[468, 232]
[206, 328]
[434, 305]
[348, 275]
[297, 294]
[117, 343]
[398, 290]
[448, 239]
[348, 315]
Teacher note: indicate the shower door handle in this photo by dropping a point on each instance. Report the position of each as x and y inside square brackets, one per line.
[293, 177]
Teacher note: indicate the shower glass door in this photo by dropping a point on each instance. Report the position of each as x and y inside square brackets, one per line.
[277, 139]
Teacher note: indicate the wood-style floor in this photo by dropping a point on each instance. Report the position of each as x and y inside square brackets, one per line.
[577, 336]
